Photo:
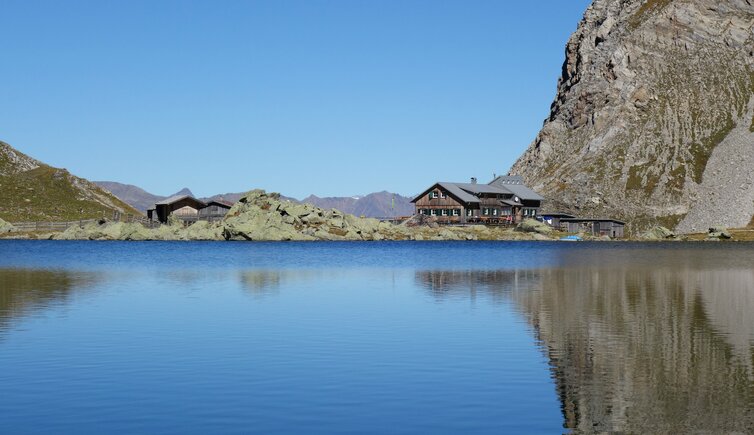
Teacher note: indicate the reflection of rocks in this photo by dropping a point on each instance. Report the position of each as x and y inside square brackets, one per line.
[496, 284]
[26, 290]
[261, 282]
[268, 281]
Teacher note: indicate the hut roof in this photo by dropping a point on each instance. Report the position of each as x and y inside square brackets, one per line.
[220, 202]
[515, 184]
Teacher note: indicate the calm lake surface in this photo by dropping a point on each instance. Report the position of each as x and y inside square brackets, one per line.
[395, 337]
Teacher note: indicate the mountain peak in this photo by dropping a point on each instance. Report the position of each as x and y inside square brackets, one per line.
[184, 191]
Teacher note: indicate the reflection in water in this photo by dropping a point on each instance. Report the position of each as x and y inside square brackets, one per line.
[261, 282]
[23, 291]
[634, 348]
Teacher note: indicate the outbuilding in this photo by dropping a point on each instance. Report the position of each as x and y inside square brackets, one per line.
[553, 219]
[184, 207]
[596, 227]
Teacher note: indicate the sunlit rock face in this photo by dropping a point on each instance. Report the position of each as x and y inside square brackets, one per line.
[653, 117]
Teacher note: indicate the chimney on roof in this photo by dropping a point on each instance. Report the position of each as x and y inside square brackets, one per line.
[473, 180]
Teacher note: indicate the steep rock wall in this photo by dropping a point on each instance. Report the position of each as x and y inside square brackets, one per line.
[653, 112]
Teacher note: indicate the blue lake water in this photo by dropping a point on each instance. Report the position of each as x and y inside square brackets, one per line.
[394, 337]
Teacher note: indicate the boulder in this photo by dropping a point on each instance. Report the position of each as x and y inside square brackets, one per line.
[203, 230]
[718, 233]
[534, 226]
[658, 233]
[5, 227]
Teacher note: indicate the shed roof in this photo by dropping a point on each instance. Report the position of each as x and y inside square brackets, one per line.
[453, 189]
[560, 215]
[515, 184]
[593, 220]
[220, 202]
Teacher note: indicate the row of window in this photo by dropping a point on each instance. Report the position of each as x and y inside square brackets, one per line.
[435, 195]
[469, 212]
[496, 212]
[440, 212]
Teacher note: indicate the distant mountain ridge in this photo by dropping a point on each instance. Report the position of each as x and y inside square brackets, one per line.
[134, 195]
[33, 191]
[378, 204]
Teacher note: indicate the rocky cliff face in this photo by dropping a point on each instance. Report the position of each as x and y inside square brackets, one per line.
[33, 191]
[654, 116]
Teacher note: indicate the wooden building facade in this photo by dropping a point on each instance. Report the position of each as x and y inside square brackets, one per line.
[215, 210]
[458, 203]
[596, 227]
[188, 209]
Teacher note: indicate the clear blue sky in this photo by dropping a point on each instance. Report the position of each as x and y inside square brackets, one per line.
[324, 97]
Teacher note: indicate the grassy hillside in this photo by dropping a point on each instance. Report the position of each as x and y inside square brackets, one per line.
[33, 191]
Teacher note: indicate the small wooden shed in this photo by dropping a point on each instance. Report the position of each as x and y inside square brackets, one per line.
[184, 207]
[596, 227]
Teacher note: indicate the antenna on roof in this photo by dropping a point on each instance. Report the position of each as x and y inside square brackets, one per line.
[494, 175]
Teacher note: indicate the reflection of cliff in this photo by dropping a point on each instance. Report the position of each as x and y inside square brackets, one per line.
[636, 349]
[23, 291]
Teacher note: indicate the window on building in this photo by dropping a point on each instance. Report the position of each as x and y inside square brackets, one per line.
[444, 212]
[494, 212]
[432, 195]
[456, 212]
[442, 194]
[434, 212]
[469, 212]
[486, 212]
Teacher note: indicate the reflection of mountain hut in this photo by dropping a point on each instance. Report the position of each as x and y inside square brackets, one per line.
[595, 227]
[188, 209]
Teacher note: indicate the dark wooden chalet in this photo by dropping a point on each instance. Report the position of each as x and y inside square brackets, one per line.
[215, 210]
[477, 203]
[188, 209]
[595, 227]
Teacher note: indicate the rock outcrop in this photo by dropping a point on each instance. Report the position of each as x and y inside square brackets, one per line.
[653, 121]
[5, 227]
[658, 233]
[718, 233]
[534, 226]
[262, 216]
[259, 216]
